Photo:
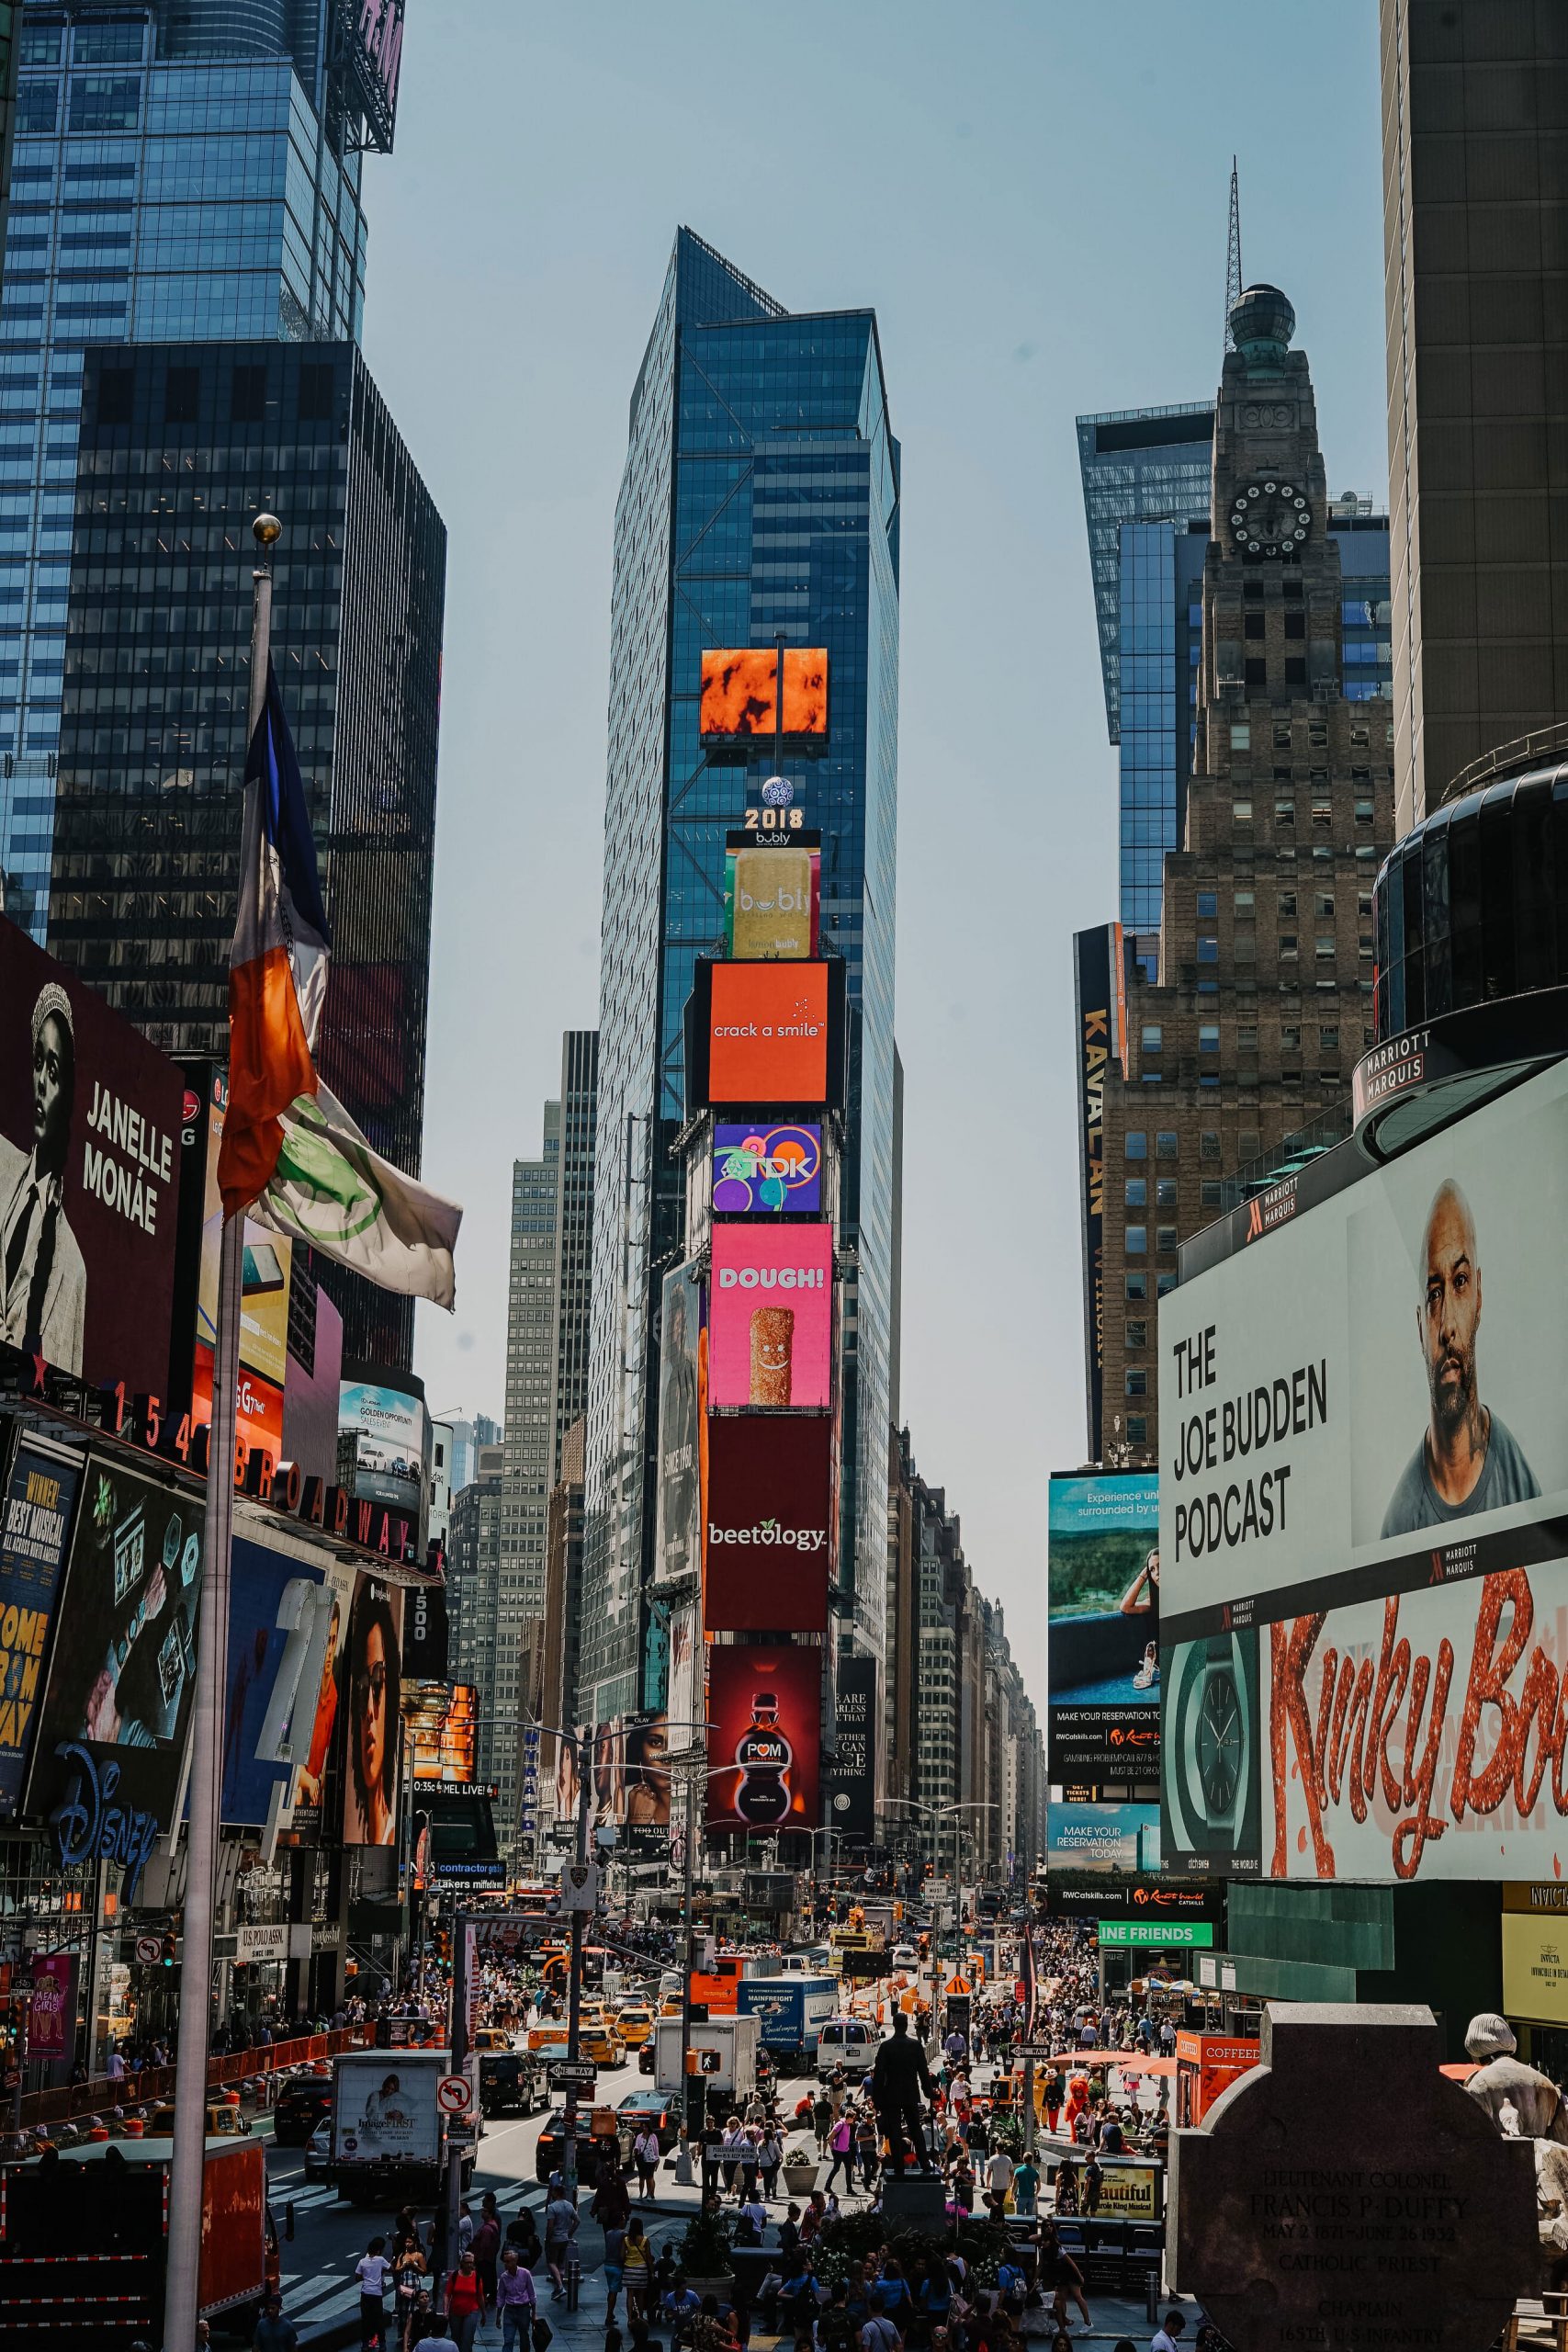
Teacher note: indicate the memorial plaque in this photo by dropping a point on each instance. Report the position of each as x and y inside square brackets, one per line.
[1345, 2196]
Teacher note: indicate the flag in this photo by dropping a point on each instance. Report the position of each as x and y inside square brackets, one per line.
[291, 1156]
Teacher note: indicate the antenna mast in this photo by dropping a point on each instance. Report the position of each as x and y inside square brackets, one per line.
[1232, 255]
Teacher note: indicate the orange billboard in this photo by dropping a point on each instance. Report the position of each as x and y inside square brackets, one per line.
[768, 1034]
[741, 688]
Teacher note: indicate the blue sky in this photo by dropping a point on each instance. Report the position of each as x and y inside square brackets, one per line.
[1034, 198]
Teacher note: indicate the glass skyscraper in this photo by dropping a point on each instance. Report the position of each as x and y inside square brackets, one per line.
[759, 498]
[185, 171]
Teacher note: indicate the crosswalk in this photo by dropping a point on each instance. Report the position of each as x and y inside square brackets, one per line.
[321, 2298]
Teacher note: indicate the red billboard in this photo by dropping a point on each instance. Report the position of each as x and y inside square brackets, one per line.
[769, 1523]
[90, 1123]
[768, 1041]
[765, 1705]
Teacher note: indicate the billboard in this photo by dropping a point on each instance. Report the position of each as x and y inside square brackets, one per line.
[1364, 1521]
[1535, 1968]
[392, 1432]
[683, 1360]
[320, 1690]
[769, 1523]
[118, 1700]
[1097, 968]
[268, 1267]
[444, 1727]
[1114, 1842]
[426, 1636]
[1104, 1622]
[765, 1032]
[760, 1171]
[773, 891]
[40, 1500]
[275, 1642]
[384, 2111]
[765, 1705]
[369, 1700]
[644, 1796]
[852, 1780]
[771, 1315]
[740, 691]
[90, 1124]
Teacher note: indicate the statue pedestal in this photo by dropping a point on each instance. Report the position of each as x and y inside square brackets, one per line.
[919, 2202]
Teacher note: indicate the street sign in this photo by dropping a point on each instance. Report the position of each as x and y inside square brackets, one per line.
[455, 2095]
[571, 2073]
[1036, 2050]
[579, 1887]
[149, 1950]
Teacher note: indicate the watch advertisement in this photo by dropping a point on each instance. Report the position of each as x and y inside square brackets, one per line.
[1364, 1522]
[1103, 1538]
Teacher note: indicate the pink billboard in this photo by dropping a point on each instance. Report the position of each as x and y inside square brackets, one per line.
[771, 1315]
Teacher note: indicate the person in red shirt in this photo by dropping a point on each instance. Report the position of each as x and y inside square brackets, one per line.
[465, 2301]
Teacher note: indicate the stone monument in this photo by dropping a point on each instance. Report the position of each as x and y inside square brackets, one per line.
[1345, 2196]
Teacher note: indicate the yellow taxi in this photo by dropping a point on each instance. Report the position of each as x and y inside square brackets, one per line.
[551, 2038]
[597, 2037]
[634, 2023]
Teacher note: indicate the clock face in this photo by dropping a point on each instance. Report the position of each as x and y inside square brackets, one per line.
[1270, 517]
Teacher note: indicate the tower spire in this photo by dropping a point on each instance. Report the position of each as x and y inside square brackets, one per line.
[1232, 255]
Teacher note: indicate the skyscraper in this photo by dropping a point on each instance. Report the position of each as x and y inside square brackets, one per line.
[1475, 265]
[759, 499]
[184, 170]
[1262, 1001]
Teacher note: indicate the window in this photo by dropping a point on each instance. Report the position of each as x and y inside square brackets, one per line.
[1246, 1037]
[1137, 1286]
[317, 386]
[1295, 670]
[1241, 812]
[182, 395]
[1256, 673]
[1163, 1283]
[104, 101]
[1363, 812]
[117, 388]
[1164, 1238]
[1364, 946]
[1328, 1039]
[1322, 812]
[1281, 735]
[1208, 951]
[1252, 626]
[1138, 1430]
[1327, 947]
[1323, 903]
[1287, 945]
[1137, 1334]
[1364, 905]
[247, 396]
[1151, 1033]
[1135, 1193]
[1284, 812]
[1164, 1144]
[1137, 1382]
[1295, 623]
[1208, 1037]
[1137, 1240]
[1165, 1192]
[1243, 903]
[1135, 1145]
[1289, 1041]
[1213, 1195]
[1208, 902]
[1241, 735]
[1209, 1144]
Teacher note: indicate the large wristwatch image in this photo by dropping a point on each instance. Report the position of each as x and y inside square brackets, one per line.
[1209, 1745]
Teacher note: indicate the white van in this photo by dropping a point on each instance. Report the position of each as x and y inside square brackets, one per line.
[847, 2043]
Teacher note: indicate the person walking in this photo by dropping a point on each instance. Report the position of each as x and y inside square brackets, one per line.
[273, 2331]
[560, 2229]
[822, 2121]
[841, 2140]
[465, 2301]
[645, 2156]
[372, 2271]
[516, 2303]
[637, 2273]
[485, 2247]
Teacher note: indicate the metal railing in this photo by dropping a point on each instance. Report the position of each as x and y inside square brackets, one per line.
[154, 2086]
[1507, 759]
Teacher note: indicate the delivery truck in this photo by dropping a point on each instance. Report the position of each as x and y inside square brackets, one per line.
[83, 2243]
[791, 2011]
[726, 2050]
[390, 2136]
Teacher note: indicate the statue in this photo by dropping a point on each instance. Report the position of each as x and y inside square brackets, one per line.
[1502, 2080]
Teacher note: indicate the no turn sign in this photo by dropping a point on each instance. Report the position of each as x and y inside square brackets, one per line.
[455, 2095]
[149, 1950]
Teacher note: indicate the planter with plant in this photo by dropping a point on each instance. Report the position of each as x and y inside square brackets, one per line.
[704, 2252]
[801, 2165]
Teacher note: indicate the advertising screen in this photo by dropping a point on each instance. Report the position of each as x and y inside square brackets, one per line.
[769, 1522]
[370, 1702]
[384, 2111]
[90, 1124]
[759, 1170]
[1535, 1968]
[274, 1627]
[740, 689]
[321, 1690]
[852, 1780]
[1104, 1617]
[772, 889]
[645, 1796]
[268, 1259]
[768, 1036]
[1364, 1521]
[1103, 1840]
[392, 1428]
[766, 1707]
[40, 1500]
[681, 1369]
[771, 1315]
[120, 1688]
[444, 1727]
[1097, 961]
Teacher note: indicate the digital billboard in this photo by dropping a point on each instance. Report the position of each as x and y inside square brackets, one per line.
[768, 1033]
[771, 1315]
[1103, 1538]
[683, 1357]
[1364, 1521]
[272, 1676]
[384, 2109]
[769, 1523]
[39, 1501]
[1114, 1842]
[761, 1171]
[370, 1703]
[121, 1684]
[443, 1725]
[90, 1124]
[392, 1432]
[266, 1270]
[740, 691]
[772, 889]
[646, 1785]
[1098, 986]
[852, 1778]
[319, 1696]
[765, 1706]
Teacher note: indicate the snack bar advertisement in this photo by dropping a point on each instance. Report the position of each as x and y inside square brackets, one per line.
[1364, 1522]
[1104, 1618]
[769, 1523]
[766, 1034]
[765, 1707]
[771, 1315]
[90, 1127]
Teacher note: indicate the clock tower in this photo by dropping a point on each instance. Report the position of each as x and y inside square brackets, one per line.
[1237, 1056]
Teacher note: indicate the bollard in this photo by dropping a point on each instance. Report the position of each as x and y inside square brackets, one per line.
[1151, 2297]
[573, 2278]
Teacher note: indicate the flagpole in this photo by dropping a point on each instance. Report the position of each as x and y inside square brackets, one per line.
[185, 2182]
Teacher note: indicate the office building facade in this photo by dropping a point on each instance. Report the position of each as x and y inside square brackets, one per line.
[1238, 1050]
[183, 173]
[1475, 273]
[759, 499]
[179, 447]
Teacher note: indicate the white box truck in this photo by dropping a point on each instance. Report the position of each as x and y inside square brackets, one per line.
[389, 2133]
[729, 2044]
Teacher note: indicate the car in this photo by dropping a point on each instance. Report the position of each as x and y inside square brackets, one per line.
[906, 1956]
[641, 2108]
[646, 2057]
[550, 2155]
[634, 2023]
[302, 2103]
[319, 2153]
[224, 2121]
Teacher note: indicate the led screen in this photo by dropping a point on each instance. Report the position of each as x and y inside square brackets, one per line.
[740, 691]
[771, 895]
[765, 1706]
[1104, 1613]
[1102, 1840]
[771, 1315]
[768, 1033]
[769, 1523]
[759, 1170]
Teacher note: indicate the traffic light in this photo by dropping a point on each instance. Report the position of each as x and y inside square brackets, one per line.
[166, 1958]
